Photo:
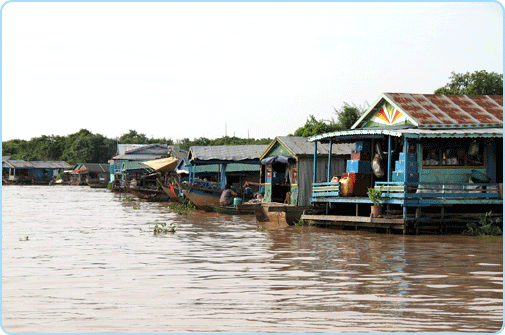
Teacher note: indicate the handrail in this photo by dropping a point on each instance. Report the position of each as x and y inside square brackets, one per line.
[439, 190]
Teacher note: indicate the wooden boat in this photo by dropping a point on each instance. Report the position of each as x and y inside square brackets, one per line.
[236, 210]
[279, 213]
[202, 197]
[171, 190]
[97, 185]
[148, 194]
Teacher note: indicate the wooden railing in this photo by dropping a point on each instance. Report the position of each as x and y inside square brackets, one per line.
[326, 190]
[439, 191]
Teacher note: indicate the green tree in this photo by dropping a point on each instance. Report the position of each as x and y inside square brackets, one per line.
[132, 137]
[348, 115]
[476, 83]
[314, 127]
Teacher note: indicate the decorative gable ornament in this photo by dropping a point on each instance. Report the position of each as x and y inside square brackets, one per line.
[387, 115]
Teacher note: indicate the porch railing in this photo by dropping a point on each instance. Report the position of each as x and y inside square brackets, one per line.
[439, 191]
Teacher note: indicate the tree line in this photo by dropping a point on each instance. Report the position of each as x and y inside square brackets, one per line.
[86, 147]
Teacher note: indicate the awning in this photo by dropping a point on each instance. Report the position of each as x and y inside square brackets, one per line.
[163, 165]
[277, 159]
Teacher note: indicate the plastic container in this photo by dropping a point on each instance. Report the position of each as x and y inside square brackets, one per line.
[237, 201]
[479, 177]
[345, 187]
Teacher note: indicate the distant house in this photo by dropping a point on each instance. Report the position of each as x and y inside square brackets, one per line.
[92, 174]
[36, 172]
[289, 164]
[137, 152]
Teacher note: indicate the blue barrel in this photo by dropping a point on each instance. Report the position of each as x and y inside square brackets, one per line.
[237, 201]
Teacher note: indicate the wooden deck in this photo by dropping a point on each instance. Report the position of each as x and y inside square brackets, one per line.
[357, 221]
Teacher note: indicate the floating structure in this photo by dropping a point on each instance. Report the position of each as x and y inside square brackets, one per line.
[437, 160]
[137, 153]
[206, 193]
[93, 174]
[289, 166]
[35, 172]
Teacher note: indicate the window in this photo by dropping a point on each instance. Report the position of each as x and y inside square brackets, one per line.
[460, 153]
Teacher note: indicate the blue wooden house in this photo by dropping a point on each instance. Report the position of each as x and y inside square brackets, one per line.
[138, 153]
[438, 160]
[34, 172]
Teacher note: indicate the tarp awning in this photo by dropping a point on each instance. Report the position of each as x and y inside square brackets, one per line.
[277, 159]
[163, 165]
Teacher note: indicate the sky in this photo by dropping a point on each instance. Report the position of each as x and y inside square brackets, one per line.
[210, 69]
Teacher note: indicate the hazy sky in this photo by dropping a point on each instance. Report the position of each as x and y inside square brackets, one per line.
[199, 69]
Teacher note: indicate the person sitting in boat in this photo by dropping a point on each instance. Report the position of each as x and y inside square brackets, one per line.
[227, 196]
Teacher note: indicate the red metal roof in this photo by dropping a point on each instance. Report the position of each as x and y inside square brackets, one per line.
[450, 109]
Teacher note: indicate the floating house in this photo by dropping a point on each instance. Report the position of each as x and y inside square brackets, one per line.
[139, 153]
[36, 172]
[205, 192]
[93, 174]
[288, 165]
[437, 160]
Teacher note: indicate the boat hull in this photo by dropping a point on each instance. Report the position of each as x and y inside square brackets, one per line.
[236, 210]
[168, 190]
[279, 213]
[149, 195]
[203, 199]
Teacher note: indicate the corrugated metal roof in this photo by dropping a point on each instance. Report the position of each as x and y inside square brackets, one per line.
[428, 109]
[234, 153]
[137, 157]
[96, 167]
[135, 166]
[300, 146]
[411, 132]
[19, 164]
[234, 167]
[452, 132]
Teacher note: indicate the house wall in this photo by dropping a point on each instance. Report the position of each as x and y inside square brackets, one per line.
[306, 170]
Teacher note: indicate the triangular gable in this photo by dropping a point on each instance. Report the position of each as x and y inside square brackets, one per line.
[384, 113]
[277, 148]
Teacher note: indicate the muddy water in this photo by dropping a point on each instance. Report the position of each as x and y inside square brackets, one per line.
[79, 260]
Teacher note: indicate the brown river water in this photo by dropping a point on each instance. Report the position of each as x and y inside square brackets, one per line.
[76, 259]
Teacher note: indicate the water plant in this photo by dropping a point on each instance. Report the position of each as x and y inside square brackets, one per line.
[486, 226]
[184, 208]
[128, 198]
[301, 222]
[164, 229]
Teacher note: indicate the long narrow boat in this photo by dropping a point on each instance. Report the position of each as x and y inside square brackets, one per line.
[171, 190]
[236, 210]
[202, 195]
[148, 194]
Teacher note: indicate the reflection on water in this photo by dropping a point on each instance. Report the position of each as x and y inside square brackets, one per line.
[92, 264]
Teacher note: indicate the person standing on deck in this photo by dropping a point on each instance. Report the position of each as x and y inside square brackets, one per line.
[227, 196]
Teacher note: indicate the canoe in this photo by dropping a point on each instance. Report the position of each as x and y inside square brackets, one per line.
[236, 210]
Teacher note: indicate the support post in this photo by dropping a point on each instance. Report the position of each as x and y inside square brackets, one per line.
[328, 177]
[315, 163]
[389, 166]
[405, 146]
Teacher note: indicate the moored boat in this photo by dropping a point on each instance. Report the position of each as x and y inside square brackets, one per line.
[202, 194]
[237, 209]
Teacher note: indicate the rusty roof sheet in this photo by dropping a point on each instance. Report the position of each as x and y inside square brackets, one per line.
[428, 109]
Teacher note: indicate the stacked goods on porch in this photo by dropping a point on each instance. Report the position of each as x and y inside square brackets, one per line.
[359, 169]
[407, 163]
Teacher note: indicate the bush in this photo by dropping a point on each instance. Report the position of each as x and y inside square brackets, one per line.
[485, 226]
